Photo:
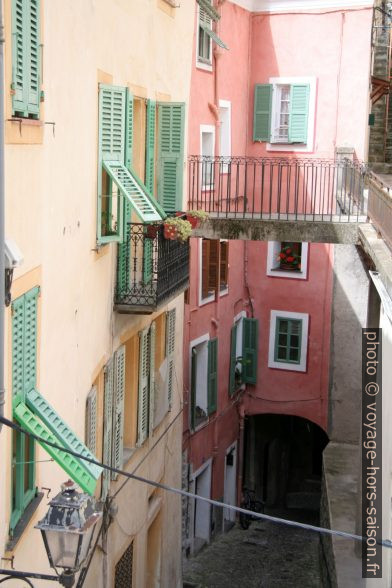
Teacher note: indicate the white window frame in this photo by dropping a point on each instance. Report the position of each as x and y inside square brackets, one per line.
[239, 320]
[309, 145]
[225, 290]
[273, 263]
[225, 129]
[207, 130]
[202, 340]
[282, 365]
[201, 63]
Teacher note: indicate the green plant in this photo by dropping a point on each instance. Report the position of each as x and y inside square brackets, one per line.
[290, 255]
[178, 228]
[202, 215]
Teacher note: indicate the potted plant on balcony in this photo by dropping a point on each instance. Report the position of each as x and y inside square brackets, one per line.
[152, 230]
[177, 229]
[289, 257]
[195, 217]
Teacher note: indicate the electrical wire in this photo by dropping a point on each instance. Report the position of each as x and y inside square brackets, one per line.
[180, 492]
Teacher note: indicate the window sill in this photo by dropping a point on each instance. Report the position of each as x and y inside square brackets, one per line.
[275, 272]
[33, 122]
[204, 66]
[286, 366]
[204, 301]
[300, 147]
[224, 292]
[24, 521]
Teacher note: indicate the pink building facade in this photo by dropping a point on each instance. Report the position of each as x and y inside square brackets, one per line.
[257, 331]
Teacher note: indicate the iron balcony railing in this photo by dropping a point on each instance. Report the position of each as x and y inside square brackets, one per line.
[275, 188]
[150, 271]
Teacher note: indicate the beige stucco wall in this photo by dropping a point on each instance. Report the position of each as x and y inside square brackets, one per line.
[51, 214]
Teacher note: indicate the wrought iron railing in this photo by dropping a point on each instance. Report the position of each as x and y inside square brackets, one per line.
[274, 188]
[150, 270]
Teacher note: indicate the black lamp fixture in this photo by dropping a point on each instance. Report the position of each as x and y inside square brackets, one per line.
[67, 530]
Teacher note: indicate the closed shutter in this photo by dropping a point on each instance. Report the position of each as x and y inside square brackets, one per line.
[112, 108]
[17, 310]
[170, 347]
[150, 146]
[129, 129]
[249, 352]
[66, 461]
[224, 265]
[299, 106]
[213, 270]
[152, 378]
[212, 374]
[143, 409]
[91, 420]
[107, 427]
[26, 58]
[205, 267]
[171, 120]
[262, 112]
[193, 386]
[233, 359]
[118, 410]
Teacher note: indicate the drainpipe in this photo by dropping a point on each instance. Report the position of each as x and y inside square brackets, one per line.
[241, 414]
[2, 261]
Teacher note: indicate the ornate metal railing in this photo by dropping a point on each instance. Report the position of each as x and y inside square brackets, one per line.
[277, 188]
[150, 271]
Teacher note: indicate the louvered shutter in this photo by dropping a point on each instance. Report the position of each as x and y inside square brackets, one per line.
[67, 462]
[17, 310]
[107, 426]
[152, 379]
[54, 422]
[129, 129]
[171, 119]
[262, 112]
[224, 265]
[19, 52]
[233, 359]
[33, 99]
[249, 351]
[212, 374]
[299, 106]
[213, 273]
[207, 8]
[193, 386]
[143, 409]
[205, 267]
[150, 145]
[112, 106]
[91, 420]
[170, 347]
[118, 410]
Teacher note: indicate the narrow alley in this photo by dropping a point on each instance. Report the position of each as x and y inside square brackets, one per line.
[267, 555]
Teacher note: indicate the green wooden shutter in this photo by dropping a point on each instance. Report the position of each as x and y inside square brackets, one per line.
[171, 120]
[262, 112]
[91, 420]
[170, 347]
[107, 426]
[249, 350]
[143, 409]
[207, 6]
[112, 107]
[193, 386]
[33, 97]
[299, 106]
[152, 379]
[129, 129]
[212, 374]
[17, 310]
[150, 145]
[233, 359]
[118, 410]
[53, 421]
[19, 52]
[67, 462]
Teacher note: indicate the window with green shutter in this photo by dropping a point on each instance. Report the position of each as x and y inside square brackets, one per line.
[212, 375]
[288, 336]
[249, 350]
[204, 379]
[281, 113]
[26, 59]
[171, 121]
[207, 14]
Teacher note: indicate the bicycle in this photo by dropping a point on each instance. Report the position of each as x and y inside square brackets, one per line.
[250, 503]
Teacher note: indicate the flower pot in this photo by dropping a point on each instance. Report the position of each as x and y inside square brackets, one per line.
[170, 232]
[152, 231]
[288, 266]
[193, 220]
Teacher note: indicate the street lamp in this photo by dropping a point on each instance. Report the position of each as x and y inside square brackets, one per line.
[67, 530]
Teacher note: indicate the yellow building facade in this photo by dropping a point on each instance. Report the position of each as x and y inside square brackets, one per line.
[96, 98]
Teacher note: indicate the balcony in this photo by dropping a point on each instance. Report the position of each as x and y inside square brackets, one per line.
[272, 195]
[150, 271]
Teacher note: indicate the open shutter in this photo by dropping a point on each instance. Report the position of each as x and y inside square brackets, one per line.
[142, 416]
[224, 265]
[107, 427]
[249, 352]
[129, 129]
[212, 374]
[54, 422]
[118, 410]
[112, 106]
[171, 120]
[18, 378]
[299, 106]
[206, 6]
[152, 378]
[170, 347]
[91, 420]
[67, 462]
[213, 274]
[193, 386]
[205, 267]
[150, 145]
[233, 359]
[262, 112]
[33, 98]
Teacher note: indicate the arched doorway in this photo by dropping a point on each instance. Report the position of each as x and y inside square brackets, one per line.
[283, 460]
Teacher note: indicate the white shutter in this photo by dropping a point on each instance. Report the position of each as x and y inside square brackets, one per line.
[170, 345]
[91, 421]
[118, 410]
[152, 378]
[142, 416]
[107, 427]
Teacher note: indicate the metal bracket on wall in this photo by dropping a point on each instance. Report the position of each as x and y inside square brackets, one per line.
[11, 559]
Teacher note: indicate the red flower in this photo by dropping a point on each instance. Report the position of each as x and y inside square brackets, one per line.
[290, 259]
[288, 250]
[282, 255]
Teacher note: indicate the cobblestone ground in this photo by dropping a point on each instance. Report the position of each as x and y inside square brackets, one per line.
[267, 555]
